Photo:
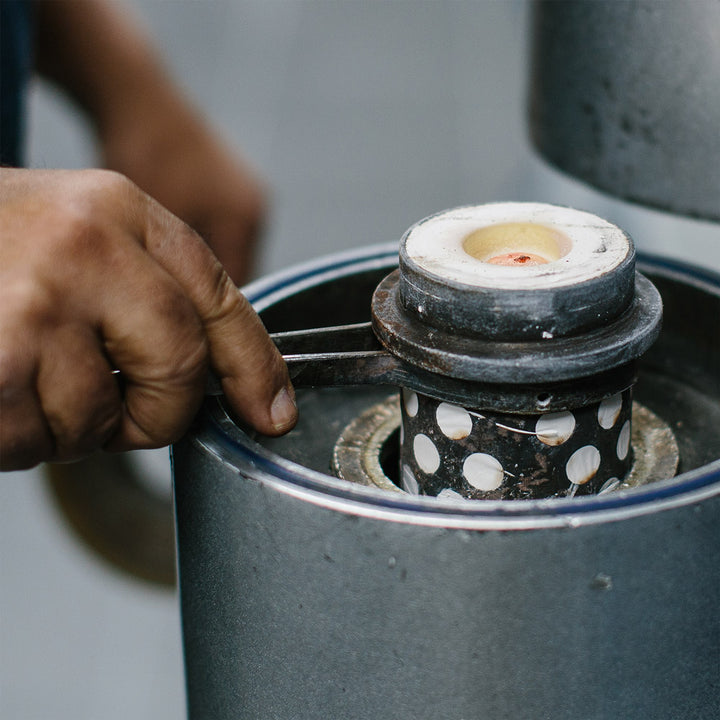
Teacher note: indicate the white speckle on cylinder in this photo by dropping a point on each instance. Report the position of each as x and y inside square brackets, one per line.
[410, 399]
[609, 486]
[454, 421]
[555, 428]
[450, 494]
[583, 464]
[609, 411]
[426, 454]
[483, 471]
[409, 483]
[623, 443]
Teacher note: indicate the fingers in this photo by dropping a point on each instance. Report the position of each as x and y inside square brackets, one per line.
[25, 438]
[251, 369]
[170, 320]
[24, 434]
[58, 398]
[80, 397]
[253, 374]
[154, 336]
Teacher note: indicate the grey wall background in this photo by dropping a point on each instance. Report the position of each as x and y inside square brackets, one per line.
[363, 117]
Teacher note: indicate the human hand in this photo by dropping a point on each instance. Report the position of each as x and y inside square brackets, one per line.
[96, 275]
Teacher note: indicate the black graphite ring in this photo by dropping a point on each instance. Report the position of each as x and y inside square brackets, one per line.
[547, 350]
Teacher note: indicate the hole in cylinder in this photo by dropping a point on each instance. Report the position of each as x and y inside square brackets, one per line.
[390, 457]
[516, 244]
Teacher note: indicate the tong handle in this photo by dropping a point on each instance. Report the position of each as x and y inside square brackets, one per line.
[339, 339]
[342, 355]
[351, 355]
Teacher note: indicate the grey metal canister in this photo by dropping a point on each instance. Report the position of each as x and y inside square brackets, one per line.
[307, 596]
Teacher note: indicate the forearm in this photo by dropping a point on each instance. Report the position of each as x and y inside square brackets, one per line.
[146, 128]
[94, 50]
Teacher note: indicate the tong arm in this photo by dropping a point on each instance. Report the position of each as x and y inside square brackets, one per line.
[333, 356]
[341, 339]
[351, 355]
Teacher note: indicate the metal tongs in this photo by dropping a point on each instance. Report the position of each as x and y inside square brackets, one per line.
[351, 355]
[343, 355]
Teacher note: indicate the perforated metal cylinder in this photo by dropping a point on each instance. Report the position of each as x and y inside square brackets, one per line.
[545, 285]
[458, 453]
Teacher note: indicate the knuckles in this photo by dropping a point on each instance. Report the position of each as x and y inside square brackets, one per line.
[26, 305]
[67, 227]
[180, 353]
[24, 439]
[89, 423]
[93, 223]
[14, 380]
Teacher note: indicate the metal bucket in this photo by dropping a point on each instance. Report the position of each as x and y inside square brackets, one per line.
[306, 596]
[626, 96]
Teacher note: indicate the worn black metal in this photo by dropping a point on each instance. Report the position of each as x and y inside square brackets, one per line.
[529, 466]
[532, 362]
[520, 314]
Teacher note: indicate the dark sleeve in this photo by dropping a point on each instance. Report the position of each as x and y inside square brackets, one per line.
[15, 67]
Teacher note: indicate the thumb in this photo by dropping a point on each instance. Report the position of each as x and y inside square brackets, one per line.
[252, 372]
